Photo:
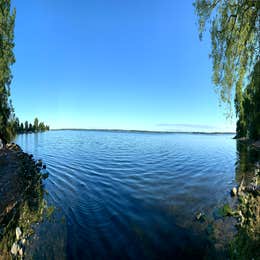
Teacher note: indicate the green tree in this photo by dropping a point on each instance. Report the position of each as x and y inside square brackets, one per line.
[36, 124]
[235, 34]
[251, 107]
[26, 126]
[21, 128]
[7, 20]
[17, 125]
[234, 28]
[30, 129]
[11, 127]
[41, 126]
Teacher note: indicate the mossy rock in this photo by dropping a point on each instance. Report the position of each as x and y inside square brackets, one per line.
[226, 211]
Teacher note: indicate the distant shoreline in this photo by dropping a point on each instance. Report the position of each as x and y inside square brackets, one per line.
[143, 131]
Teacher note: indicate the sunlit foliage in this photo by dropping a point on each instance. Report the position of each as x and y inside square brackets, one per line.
[235, 39]
[235, 33]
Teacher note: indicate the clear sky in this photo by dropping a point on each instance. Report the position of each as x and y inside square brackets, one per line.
[114, 64]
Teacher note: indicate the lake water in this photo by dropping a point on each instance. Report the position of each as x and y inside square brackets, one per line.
[127, 195]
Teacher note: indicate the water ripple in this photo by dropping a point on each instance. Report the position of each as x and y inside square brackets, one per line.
[129, 194]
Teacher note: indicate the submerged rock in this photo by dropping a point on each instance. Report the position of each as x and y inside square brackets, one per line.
[226, 211]
[18, 233]
[200, 217]
[45, 175]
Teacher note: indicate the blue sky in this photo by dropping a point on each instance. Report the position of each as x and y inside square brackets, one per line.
[114, 64]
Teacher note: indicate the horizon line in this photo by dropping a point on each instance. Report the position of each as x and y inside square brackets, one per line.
[142, 131]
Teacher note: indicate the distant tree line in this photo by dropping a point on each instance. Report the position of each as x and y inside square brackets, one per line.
[27, 127]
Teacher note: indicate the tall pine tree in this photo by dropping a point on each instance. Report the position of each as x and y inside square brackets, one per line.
[7, 21]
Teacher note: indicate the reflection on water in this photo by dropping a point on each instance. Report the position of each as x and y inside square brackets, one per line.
[135, 195]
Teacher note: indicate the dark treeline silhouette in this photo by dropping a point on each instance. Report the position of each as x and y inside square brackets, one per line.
[27, 127]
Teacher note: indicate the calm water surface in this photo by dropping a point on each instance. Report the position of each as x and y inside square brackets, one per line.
[133, 195]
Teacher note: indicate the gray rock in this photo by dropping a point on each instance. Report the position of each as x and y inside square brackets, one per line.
[39, 163]
[257, 144]
[198, 216]
[44, 173]
[254, 189]
[241, 187]
[234, 191]
[14, 249]
[18, 233]
[21, 251]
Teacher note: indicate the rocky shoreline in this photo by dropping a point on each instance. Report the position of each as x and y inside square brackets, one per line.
[246, 243]
[245, 206]
[234, 230]
[22, 199]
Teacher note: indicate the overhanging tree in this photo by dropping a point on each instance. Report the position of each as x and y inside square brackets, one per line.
[235, 39]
